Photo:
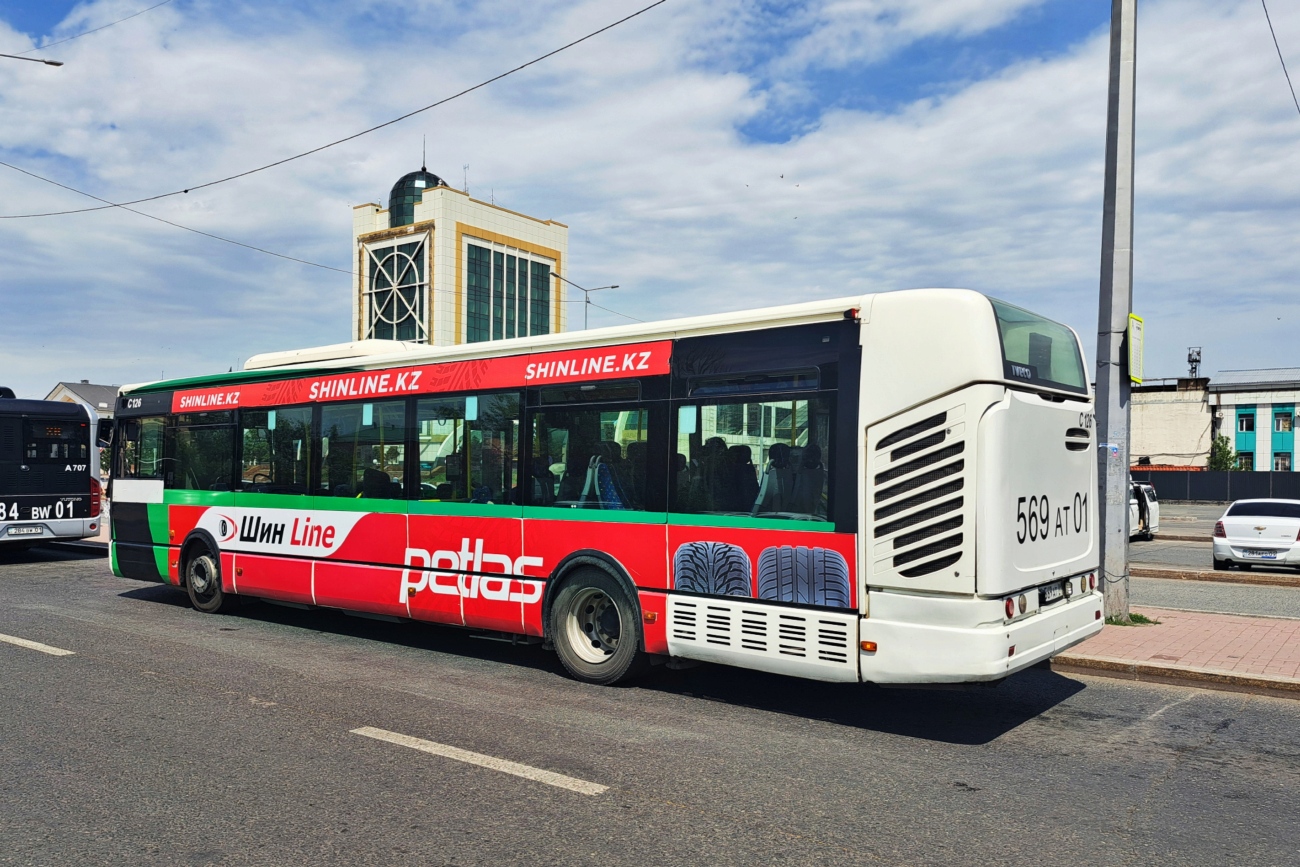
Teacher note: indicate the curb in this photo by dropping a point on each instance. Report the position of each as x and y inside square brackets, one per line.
[1182, 537]
[1267, 579]
[1177, 675]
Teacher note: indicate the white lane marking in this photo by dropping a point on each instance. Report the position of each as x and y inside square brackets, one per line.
[36, 645]
[506, 767]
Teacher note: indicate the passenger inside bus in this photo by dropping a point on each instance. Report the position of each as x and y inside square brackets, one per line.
[715, 469]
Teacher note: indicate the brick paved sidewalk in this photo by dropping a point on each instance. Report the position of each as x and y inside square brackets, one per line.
[1218, 651]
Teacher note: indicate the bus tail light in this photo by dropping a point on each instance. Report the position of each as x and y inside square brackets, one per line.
[95, 493]
[1092, 580]
[1219, 532]
[1011, 607]
[1023, 602]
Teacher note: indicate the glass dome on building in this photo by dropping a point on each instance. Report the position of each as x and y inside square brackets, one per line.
[406, 192]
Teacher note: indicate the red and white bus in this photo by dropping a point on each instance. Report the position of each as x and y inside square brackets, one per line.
[896, 488]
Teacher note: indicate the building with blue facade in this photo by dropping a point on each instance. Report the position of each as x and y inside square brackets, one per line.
[1256, 409]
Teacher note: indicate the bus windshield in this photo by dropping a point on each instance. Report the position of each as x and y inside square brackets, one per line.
[1038, 350]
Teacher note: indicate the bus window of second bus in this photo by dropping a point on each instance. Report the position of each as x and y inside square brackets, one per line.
[469, 448]
[763, 459]
[589, 459]
[277, 450]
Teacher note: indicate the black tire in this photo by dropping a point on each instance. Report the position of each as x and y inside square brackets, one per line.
[1244, 567]
[810, 576]
[1221, 565]
[203, 582]
[596, 629]
[715, 568]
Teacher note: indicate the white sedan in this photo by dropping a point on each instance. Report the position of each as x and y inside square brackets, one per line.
[1258, 532]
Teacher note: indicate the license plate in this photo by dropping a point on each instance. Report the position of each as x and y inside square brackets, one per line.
[1263, 555]
[25, 531]
[1050, 593]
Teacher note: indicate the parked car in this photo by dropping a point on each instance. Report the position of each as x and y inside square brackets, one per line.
[1258, 532]
[1143, 511]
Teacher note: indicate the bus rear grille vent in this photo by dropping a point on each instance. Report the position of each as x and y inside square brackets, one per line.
[920, 480]
[920, 463]
[920, 503]
[912, 430]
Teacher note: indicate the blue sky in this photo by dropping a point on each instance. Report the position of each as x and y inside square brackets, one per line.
[932, 142]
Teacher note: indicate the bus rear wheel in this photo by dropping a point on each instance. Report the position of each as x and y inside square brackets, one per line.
[203, 583]
[595, 629]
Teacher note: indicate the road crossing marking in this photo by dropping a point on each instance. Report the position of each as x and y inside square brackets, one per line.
[36, 645]
[506, 767]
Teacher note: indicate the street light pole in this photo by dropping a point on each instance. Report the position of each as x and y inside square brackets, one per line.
[586, 297]
[1116, 304]
[33, 59]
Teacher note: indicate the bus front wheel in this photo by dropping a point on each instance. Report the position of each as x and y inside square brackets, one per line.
[203, 583]
[595, 630]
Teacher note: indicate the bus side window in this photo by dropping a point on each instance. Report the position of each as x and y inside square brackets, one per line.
[761, 458]
[590, 458]
[202, 451]
[469, 448]
[276, 450]
[363, 450]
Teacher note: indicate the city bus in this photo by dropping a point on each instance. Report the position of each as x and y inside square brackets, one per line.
[49, 472]
[896, 488]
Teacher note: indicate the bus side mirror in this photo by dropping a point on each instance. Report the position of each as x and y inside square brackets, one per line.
[104, 435]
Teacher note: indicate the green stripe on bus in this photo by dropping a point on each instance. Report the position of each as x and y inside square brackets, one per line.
[160, 560]
[158, 524]
[240, 377]
[198, 498]
[613, 516]
[748, 523]
[467, 510]
[112, 560]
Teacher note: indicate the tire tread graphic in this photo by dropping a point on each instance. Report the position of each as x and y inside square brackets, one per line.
[715, 568]
[811, 576]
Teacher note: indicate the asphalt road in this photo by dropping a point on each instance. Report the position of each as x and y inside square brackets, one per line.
[171, 737]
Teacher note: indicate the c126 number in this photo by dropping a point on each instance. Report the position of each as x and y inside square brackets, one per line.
[1036, 519]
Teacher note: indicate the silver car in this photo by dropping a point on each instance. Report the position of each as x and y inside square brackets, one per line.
[1258, 532]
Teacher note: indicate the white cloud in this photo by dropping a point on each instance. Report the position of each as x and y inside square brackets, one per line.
[632, 140]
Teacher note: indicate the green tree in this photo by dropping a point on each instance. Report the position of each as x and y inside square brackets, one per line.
[1221, 454]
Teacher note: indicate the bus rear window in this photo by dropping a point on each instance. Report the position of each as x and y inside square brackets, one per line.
[55, 441]
[1038, 351]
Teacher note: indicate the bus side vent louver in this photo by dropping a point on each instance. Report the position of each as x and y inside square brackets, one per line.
[919, 493]
[685, 620]
[821, 644]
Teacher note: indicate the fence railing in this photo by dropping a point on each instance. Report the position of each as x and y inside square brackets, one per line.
[1220, 486]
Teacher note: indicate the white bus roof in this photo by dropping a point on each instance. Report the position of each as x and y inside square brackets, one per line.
[383, 353]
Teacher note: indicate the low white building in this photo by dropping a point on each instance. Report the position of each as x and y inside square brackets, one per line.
[439, 267]
[1172, 422]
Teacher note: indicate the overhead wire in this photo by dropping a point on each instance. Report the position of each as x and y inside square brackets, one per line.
[1272, 33]
[95, 30]
[253, 247]
[349, 138]
[170, 223]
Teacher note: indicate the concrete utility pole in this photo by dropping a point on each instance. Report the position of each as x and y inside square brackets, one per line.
[1114, 309]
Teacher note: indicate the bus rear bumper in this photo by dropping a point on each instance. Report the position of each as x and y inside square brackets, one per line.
[921, 640]
[48, 530]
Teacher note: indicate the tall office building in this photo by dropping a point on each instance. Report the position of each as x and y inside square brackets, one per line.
[439, 267]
